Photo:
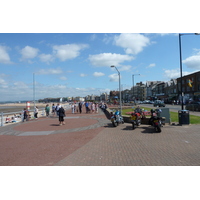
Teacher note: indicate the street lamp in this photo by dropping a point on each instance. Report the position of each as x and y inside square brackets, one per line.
[182, 114]
[133, 82]
[34, 89]
[120, 97]
[181, 70]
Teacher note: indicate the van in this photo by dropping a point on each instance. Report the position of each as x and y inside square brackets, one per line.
[159, 103]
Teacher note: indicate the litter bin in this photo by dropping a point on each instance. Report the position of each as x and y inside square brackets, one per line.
[184, 117]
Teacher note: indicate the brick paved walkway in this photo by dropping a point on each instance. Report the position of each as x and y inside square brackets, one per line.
[90, 140]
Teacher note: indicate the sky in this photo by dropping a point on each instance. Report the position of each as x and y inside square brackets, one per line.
[78, 64]
[67, 50]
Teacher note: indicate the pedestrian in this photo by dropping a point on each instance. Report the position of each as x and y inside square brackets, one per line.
[93, 107]
[36, 112]
[80, 107]
[57, 109]
[61, 114]
[25, 115]
[47, 110]
[73, 108]
[96, 107]
[86, 107]
[53, 109]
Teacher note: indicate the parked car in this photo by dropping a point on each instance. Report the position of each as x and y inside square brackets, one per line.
[158, 103]
[193, 106]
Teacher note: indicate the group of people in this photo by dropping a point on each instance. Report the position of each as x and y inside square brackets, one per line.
[57, 110]
[90, 107]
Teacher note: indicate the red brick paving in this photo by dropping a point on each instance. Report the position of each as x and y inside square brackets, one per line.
[53, 124]
[42, 150]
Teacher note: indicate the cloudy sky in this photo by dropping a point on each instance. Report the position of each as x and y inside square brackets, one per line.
[78, 64]
[71, 62]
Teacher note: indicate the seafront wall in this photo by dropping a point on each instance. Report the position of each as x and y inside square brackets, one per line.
[19, 112]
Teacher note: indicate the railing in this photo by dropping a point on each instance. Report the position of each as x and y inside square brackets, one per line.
[19, 117]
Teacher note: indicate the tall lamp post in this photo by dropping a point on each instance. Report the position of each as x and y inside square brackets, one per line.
[181, 69]
[133, 81]
[120, 97]
[34, 89]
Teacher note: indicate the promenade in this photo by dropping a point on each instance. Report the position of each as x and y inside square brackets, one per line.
[90, 140]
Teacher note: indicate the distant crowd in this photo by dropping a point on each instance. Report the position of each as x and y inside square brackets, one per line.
[57, 110]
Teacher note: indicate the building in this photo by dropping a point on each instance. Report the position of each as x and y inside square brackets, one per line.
[149, 89]
[190, 87]
[170, 91]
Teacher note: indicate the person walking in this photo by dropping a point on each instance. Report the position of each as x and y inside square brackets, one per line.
[61, 114]
[93, 107]
[73, 108]
[96, 107]
[47, 110]
[53, 109]
[57, 109]
[80, 107]
[87, 107]
[36, 112]
[25, 115]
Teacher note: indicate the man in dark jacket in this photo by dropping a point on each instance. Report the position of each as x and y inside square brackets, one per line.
[61, 114]
[80, 107]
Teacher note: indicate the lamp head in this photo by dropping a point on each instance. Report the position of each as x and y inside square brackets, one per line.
[112, 66]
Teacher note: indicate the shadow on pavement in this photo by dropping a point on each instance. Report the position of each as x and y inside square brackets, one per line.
[128, 128]
[109, 125]
[54, 125]
[148, 130]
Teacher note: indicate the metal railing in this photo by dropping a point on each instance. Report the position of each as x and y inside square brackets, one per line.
[19, 115]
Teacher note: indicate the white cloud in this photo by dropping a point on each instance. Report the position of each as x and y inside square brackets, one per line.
[193, 62]
[68, 51]
[108, 59]
[133, 43]
[107, 38]
[114, 77]
[63, 78]
[98, 74]
[29, 53]
[47, 58]
[83, 75]
[50, 71]
[174, 73]
[93, 37]
[125, 68]
[4, 56]
[151, 65]
[3, 83]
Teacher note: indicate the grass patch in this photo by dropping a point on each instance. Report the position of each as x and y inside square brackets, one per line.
[173, 115]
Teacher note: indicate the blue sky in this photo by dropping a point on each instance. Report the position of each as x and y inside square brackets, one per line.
[70, 48]
[78, 64]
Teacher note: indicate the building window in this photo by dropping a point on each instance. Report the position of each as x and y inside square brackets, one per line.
[175, 90]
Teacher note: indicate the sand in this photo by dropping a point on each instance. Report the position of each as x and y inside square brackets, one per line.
[18, 107]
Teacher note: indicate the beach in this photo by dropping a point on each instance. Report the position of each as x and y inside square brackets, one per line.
[18, 107]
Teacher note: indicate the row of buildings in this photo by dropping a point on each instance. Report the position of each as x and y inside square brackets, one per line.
[166, 91]
[152, 90]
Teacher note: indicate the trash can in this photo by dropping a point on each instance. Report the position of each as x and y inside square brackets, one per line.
[184, 117]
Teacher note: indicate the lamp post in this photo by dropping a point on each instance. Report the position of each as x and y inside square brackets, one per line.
[133, 82]
[120, 97]
[34, 89]
[181, 69]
